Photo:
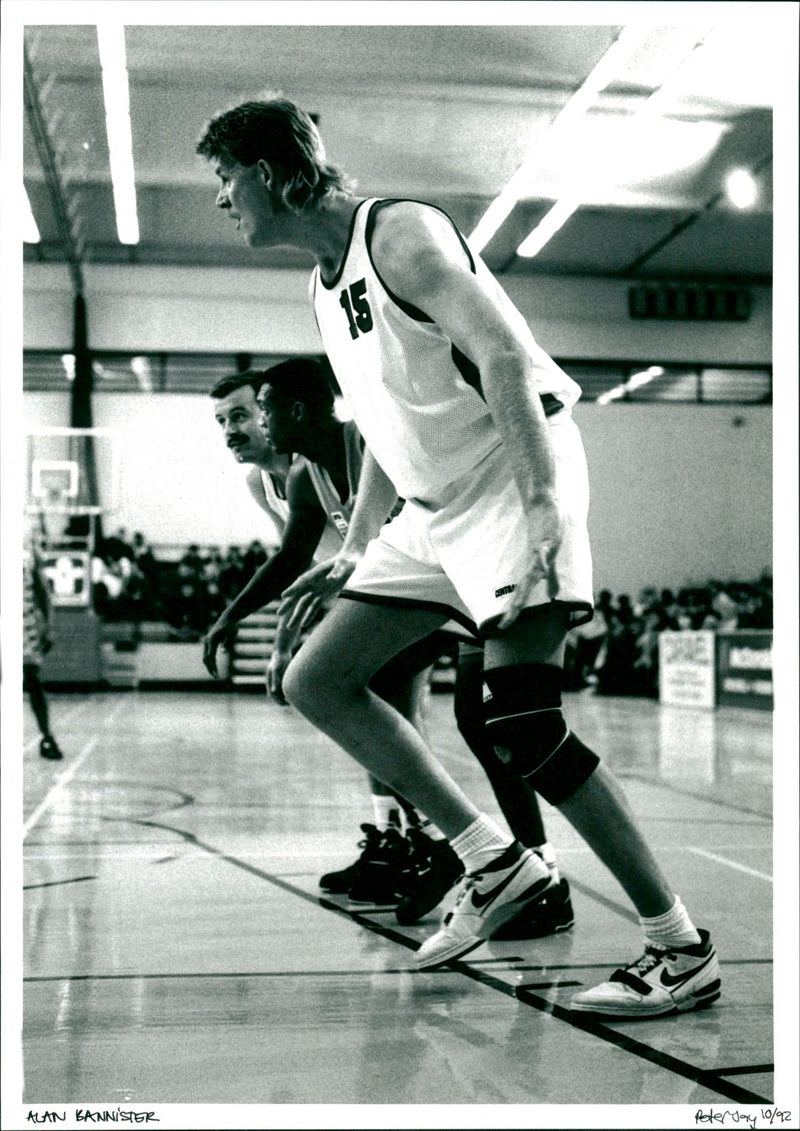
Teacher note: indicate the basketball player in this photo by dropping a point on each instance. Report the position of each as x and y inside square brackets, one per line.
[36, 643]
[468, 420]
[416, 871]
[298, 416]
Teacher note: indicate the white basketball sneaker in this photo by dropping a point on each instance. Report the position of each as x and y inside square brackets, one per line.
[485, 900]
[665, 980]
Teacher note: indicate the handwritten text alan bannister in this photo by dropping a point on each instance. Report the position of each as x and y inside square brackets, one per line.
[86, 1115]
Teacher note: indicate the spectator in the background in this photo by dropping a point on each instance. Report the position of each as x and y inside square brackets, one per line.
[685, 610]
[107, 586]
[645, 665]
[232, 576]
[212, 567]
[645, 602]
[212, 580]
[669, 609]
[193, 559]
[143, 555]
[117, 547]
[584, 645]
[192, 604]
[755, 610]
[624, 610]
[254, 556]
[618, 653]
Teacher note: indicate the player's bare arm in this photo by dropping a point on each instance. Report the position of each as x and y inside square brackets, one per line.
[301, 536]
[375, 500]
[422, 261]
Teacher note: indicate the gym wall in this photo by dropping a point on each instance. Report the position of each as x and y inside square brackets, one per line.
[680, 492]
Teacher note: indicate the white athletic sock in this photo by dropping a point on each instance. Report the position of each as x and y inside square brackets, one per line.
[547, 853]
[479, 843]
[387, 811]
[674, 928]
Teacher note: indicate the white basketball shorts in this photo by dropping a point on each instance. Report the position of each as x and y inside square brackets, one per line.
[465, 555]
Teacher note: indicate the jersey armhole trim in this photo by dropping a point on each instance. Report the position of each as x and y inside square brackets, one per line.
[412, 311]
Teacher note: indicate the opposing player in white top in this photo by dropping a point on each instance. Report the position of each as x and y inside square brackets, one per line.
[469, 421]
[310, 501]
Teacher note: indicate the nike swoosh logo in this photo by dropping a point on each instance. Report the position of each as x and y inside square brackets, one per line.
[674, 979]
[479, 901]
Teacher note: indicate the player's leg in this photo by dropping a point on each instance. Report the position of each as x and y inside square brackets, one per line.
[517, 800]
[431, 867]
[519, 806]
[32, 685]
[401, 846]
[522, 673]
[327, 681]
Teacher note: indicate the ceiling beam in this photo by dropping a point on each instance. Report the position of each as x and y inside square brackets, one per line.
[47, 157]
[687, 222]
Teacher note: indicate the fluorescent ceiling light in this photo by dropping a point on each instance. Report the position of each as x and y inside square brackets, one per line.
[639, 133]
[143, 372]
[30, 230]
[742, 188]
[68, 361]
[548, 226]
[111, 44]
[598, 78]
[635, 381]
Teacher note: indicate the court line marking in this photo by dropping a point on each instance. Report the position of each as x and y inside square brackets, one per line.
[365, 973]
[745, 1069]
[58, 788]
[705, 1077]
[67, 776]
[104, 722]
[58, 883]
[730, 863]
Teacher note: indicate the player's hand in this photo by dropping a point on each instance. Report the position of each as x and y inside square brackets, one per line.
[278, 663]
[214, 638]
[545, 524]
[302, 600]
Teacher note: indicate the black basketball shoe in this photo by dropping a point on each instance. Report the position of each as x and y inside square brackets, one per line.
[550, 914]
[380, 877]
[433, 869]
[339, 883]
[48, 748]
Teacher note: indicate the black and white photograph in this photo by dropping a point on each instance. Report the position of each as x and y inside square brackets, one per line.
[331, 797]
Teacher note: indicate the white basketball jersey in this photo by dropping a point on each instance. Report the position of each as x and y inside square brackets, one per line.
[415, 398]
[274, 504]
[339, 512]
[277, 508]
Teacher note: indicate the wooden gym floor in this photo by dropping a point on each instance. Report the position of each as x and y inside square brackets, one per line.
[176, 950]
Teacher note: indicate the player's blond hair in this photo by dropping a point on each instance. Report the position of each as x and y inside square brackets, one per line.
[283, 135]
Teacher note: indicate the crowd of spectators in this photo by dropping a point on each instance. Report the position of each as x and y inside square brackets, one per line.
[617, 651]
[132, 584]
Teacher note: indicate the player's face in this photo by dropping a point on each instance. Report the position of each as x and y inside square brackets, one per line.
[277, 422]
[244, 194]
[238, 416]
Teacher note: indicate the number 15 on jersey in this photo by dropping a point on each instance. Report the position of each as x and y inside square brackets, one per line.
[354, 303]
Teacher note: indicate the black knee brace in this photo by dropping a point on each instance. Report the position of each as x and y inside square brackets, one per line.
[528, 731]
